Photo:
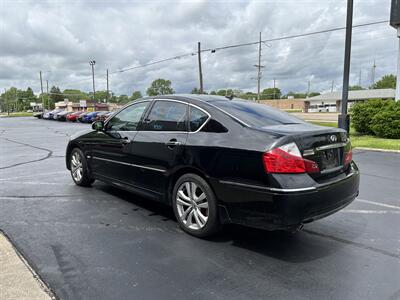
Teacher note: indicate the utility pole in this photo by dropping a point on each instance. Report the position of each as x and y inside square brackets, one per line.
[274, 88]
[259, 70]
[398, 69]
[47, 93]
[200, 70]
[359, 79]
[107, 87]
[373, 74]
[41, 88]
[92, 63]
[343, 119]
[308, 88]
[259, 66]
[333, 84]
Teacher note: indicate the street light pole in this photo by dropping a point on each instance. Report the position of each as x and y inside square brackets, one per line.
[398, 68]
[343, 119]
[92, 63]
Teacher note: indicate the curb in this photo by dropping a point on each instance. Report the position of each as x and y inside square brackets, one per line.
[377, 149]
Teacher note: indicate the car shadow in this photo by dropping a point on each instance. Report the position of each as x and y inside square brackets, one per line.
[302, 246]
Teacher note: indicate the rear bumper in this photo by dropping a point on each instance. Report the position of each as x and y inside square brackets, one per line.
[275, 209]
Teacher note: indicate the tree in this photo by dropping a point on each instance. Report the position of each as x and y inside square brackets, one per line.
[213, 93]
[122, 99]
[386, 82]
[136, 95]
[355, 88]
[272, 93]
[55, 95]
[222, 92]
[313, 94]
[160, 87]
[195, 90]
[75, 95]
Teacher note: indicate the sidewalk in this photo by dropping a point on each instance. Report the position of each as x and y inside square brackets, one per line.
[17, 280]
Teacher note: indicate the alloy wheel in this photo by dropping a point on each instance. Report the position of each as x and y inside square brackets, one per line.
[76, 167]
[192, 205]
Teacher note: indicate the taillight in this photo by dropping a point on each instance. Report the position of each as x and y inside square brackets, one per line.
[288, 159]
[348, 156]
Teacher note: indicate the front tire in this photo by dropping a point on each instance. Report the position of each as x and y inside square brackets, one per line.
[79, 168]
[195, 206]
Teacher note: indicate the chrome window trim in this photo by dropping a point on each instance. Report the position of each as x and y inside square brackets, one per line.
[129, 164]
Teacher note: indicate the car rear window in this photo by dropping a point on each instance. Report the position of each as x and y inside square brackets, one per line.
[256, 114]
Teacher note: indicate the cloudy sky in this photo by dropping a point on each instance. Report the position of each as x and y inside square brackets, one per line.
[61, 37]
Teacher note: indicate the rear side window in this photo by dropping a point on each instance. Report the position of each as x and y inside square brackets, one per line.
[197, 118]
[167, 116]
[256, 114]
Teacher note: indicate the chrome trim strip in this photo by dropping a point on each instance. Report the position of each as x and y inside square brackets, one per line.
[338, 180]
[128, 164]
[331, 146]
[268, 188]
[311, 188]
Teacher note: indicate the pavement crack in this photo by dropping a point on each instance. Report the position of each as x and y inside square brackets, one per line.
[49, 154]
[356, 244]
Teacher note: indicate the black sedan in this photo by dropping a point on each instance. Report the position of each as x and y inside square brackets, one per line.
[217, 160]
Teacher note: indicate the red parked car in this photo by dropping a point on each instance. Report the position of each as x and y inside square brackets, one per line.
[74, 116]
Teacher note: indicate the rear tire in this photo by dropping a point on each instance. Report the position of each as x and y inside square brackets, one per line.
[79, 168]
[195, 206]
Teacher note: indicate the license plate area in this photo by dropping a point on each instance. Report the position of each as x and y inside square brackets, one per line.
[331, 158]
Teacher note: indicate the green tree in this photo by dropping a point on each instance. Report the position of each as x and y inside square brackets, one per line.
[55, 96]
[160, 87]
[272, 93]
[386, 82]
[222, 92]
[75, 95]
[195, 90]
[136, 95]
[355, 88]
[313, 94]
[122, 99]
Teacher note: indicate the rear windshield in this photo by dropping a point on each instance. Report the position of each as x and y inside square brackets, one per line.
[256, 114]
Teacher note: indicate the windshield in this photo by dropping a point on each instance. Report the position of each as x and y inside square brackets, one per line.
[256, 114]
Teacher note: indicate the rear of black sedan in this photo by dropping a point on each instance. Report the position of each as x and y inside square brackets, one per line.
[230, 161]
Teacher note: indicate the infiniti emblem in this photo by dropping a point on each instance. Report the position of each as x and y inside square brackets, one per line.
[333, 138]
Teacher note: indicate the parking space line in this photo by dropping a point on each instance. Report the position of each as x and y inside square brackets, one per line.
[363, 211]
[378, 203]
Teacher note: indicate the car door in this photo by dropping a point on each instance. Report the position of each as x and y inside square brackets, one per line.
[112, 150]
[159, 144]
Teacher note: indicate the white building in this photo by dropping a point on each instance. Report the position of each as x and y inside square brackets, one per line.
[331, 102]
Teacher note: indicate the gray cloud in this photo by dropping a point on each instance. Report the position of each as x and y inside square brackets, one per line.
[62, 36]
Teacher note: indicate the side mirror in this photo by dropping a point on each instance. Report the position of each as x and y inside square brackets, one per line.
[98, 125]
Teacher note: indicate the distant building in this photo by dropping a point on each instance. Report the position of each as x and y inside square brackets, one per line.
[85, 105]
[331, 102]
[285, 104]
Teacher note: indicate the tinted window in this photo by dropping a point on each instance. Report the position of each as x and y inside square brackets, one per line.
[197, 118]
[256, 114]
[167, 116]
[128, 119]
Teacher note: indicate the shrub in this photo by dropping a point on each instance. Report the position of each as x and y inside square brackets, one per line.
[386, 123]
[362, 114]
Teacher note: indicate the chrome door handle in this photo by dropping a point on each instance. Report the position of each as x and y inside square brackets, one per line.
[172, 143]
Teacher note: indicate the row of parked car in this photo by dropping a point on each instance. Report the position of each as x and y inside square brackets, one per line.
[77, 116]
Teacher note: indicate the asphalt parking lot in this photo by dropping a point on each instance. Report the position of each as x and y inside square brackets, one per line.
[103, 243]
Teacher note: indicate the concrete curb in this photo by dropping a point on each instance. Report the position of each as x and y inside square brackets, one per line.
[17, 271]
[377, 149]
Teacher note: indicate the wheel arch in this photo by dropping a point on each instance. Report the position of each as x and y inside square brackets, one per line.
[180, 172]
[71, 146]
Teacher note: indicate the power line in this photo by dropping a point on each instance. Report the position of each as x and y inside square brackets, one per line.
[213, 50]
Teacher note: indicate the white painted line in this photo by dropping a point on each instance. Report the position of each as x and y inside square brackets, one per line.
[378, 203]
[34, 175]
[377, 212]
